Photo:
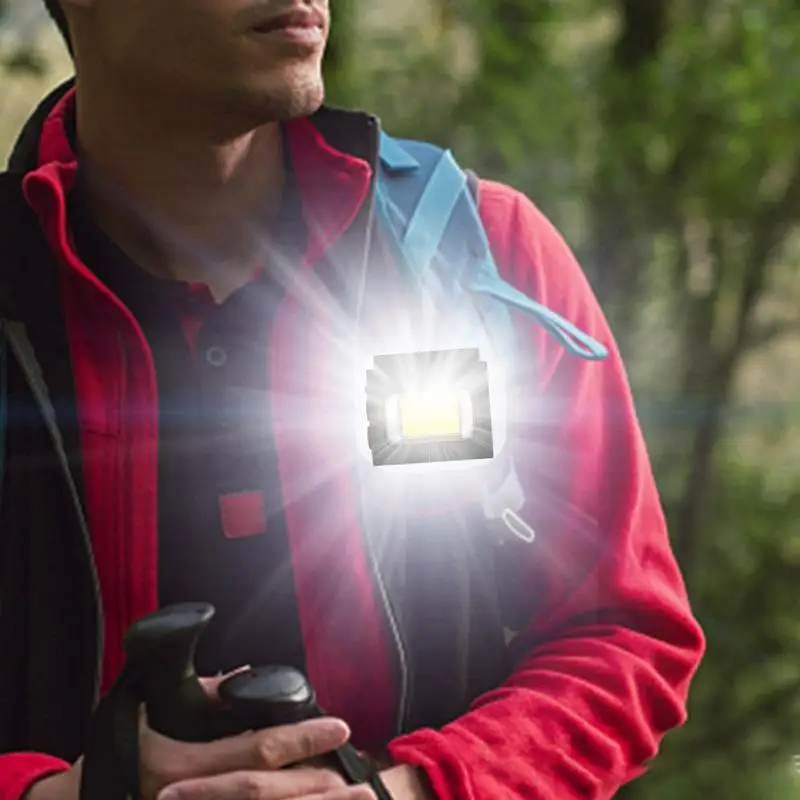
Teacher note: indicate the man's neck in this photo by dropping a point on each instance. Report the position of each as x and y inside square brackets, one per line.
[181, 205]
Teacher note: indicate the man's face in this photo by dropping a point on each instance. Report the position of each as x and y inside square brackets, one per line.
[246, 61]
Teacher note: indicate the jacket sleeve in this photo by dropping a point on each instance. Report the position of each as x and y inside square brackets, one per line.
[609, 642]
[19, 771]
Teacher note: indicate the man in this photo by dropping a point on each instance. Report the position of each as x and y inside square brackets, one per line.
[157, 222]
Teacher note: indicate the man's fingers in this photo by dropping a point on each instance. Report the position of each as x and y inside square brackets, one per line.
[269, 749]
[284, 746]
[251, 785]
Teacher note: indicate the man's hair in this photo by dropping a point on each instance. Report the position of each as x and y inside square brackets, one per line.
[56, 11]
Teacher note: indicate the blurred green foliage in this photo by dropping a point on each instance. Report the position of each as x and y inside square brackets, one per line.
[661, 137]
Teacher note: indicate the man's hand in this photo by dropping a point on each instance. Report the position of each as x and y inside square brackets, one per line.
[259, 765]
[254, 766]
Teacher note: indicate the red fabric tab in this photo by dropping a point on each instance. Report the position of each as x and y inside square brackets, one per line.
[243, 514]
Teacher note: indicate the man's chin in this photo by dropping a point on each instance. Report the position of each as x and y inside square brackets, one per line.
[305, 103]
[262, 106]
[294, 102]
[303, 110]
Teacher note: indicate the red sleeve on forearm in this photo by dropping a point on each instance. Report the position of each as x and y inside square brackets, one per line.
[612, 645]
[19, 771]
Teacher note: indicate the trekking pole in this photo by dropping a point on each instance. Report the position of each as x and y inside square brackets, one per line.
[159, 674]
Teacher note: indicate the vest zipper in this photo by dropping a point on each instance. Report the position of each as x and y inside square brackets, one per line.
[403, 664]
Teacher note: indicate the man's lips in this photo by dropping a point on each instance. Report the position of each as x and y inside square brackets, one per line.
[305, 29]
[294, 21]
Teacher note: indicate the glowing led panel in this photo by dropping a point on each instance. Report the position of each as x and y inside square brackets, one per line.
[429, 407]
[437, 413]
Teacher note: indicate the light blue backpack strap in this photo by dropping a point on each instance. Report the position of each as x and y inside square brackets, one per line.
[421, 190]
[417, 192]
[434, 211]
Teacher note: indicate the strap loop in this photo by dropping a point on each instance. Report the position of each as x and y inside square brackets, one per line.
[569, 336]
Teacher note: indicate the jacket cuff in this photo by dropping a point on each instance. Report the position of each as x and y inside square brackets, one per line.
[429, 751]
[19, 771]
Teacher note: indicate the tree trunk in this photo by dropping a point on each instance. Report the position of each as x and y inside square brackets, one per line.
[620, 240]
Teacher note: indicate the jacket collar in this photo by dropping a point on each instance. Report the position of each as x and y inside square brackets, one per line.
[334, 153]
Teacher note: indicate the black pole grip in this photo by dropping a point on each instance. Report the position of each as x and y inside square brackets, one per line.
[160, 672]
[160, 651]
[269, 696]
[265, 697]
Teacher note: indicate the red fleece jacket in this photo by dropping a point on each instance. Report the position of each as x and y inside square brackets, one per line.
[610, 655]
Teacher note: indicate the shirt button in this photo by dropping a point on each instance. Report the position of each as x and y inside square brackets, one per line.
[216, 356]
